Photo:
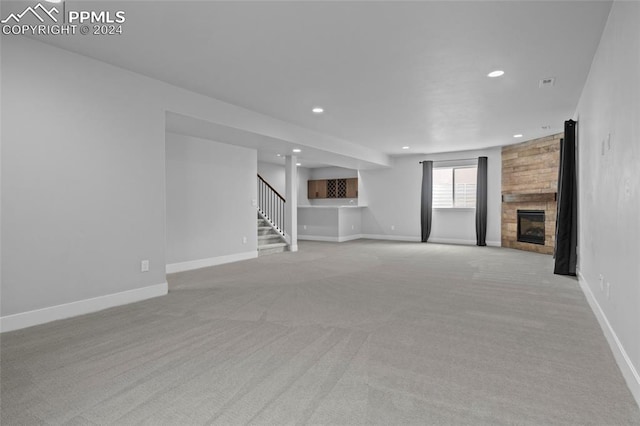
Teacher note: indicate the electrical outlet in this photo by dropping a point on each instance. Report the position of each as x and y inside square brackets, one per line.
[393, 227]
[353, 227]
[244, 240]
[144, 266]
[254, 203]
[304, 227]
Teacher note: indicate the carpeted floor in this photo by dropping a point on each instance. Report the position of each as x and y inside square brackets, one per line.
[365, 332]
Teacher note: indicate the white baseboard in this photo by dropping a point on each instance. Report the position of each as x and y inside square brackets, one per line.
[452, 241]
[629, 371]
[463, 242]
[349, 238]
[391, 237]
[394, 238]
[81, 307]
[212, 261]
[329, 239]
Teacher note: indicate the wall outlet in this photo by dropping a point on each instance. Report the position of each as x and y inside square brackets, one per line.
[254, 203]
[304, 227]
[144, 266]
[353, 227]
[244, 240]
[393, 227]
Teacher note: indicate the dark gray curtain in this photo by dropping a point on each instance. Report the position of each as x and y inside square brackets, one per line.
[567, 217]
[427, 197]
[481, 202]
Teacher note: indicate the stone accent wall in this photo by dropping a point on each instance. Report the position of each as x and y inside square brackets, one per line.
[530, 168]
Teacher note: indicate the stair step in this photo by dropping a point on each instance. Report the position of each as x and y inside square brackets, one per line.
[272, 248]
[270, 241]
[269, 238]
[274, 245]
[264, 230]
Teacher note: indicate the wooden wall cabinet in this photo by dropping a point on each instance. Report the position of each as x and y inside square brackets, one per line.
[332, 188]
[316, 189]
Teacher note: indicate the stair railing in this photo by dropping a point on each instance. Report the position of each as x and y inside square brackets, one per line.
[271, 205]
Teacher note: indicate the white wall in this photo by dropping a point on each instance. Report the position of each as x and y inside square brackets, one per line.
[274, 175]
[332, 173]
[209, 191]
[393, 199]
[328, 223]
[609, 186]
[318, 222]
[303, 177]
[350, 222]
[83, 179]
[83, 187]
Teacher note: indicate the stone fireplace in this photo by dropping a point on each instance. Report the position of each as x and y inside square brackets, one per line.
[529, 184]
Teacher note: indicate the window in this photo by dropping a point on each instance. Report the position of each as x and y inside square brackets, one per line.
[454, 187]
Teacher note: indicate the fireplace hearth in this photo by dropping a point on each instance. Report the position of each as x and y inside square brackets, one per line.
[531, 226]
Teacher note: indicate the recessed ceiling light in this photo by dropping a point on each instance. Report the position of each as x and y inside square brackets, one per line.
[298, 164]
[496, 73]
[317, 110]
[517, 135]
[297, 150]
[279, 155]
[406, 147]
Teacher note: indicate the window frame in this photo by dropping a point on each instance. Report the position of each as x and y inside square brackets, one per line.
[453, 186]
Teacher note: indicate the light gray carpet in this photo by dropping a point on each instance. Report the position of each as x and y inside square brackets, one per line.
[365, 332]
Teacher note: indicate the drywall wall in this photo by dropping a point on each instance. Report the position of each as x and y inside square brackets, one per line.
[83, 179]
[273, 174]
[393, 201]
[303, 177]
[318, 222]
[329, 223]
[83, 188]
[332, 173]
[209, 191]
[609, 186]
[349, 222]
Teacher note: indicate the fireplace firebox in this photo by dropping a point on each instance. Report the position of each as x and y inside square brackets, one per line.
[531, 226]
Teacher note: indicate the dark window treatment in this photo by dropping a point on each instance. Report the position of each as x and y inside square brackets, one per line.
[427, 198]
[481, 202]
[567, 217]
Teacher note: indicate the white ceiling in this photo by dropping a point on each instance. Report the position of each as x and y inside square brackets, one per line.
[388, 74]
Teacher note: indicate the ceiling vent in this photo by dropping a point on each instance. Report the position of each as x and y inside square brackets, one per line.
[547, 82]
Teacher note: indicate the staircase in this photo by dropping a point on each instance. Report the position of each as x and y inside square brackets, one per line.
[269, 240]
[271, 208]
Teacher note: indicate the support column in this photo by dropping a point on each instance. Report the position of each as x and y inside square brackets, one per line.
[291, 196]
